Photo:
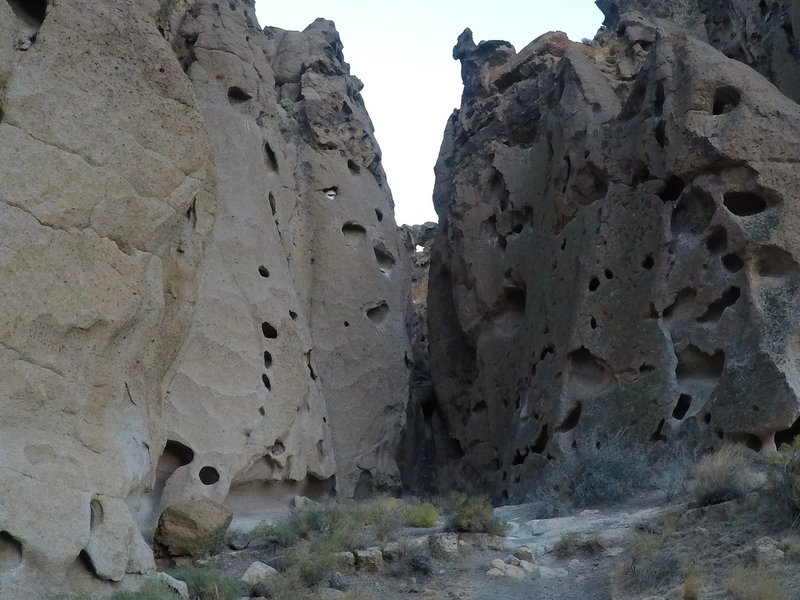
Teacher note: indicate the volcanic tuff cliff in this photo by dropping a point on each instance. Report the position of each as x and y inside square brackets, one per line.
[204, 287]
[618, 244]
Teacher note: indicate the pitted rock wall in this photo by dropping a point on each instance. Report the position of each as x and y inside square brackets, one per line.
[204, 285]
[617, 249]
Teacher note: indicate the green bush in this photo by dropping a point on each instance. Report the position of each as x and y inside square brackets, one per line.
[423, 515]
[209, 584]
[472, 515]
[151, 590]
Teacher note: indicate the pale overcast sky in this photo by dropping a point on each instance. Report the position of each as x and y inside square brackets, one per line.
[402, 51]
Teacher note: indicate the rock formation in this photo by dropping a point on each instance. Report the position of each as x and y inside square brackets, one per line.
[204, 285]
[617, 245]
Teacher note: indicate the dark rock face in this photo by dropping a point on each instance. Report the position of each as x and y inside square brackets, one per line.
[759, 33]
[617, 248]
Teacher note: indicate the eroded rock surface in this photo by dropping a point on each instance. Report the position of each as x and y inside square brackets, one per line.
[617, 249]
[203, 280]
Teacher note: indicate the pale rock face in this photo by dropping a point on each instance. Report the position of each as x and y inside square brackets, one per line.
[203, 281]
[102, 152]
[617, 249]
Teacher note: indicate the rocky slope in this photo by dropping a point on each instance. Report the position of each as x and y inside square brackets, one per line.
[617, 245]
[203, 281]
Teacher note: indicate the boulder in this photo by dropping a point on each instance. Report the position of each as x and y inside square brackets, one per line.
[191, 528]
[257, 572]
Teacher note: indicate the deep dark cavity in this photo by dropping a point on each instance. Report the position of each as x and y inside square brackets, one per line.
[745, 204]
[237, 95]
[209, 476]
[31, 11]
[726, 99]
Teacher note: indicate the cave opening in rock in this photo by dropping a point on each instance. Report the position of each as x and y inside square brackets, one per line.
[745, 204]
[726, 99]
[269, 331]
[209, 475]
[682, 407]
[31, 11]
[237, 95]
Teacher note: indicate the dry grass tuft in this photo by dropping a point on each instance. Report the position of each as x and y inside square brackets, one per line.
[754, 584]
[724, 475]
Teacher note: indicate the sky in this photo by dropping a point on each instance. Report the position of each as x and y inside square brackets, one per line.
[402, 51]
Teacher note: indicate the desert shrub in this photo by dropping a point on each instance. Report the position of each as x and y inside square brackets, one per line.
[649, 563]
[692, 587]
[723, 475]
[673, 470]
[754, 584]
[473, 515]
[784, 476]
[412, 558]
[151, 590]
[603, 467]
[571, 544]
[279, 535]
[209, 584]
[422, 515]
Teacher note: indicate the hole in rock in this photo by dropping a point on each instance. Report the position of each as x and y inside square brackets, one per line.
[753, 442]
[787, 436]
[661, 96]
[609, 274]
[209, 476]
[30, 11]
[263, 271]
[519, 457]
[269, 331]
[683, 307]
[237, 95]
[95, 514]
[588, 374]
[707, 418]
[272, 208]
[277, 448]
[175, 455]
[293, 315]
[541, 441]
[572, 418]
[191, 213]
[379, 215]
[776, 263]
[353, 231]
[693, 213]
[331, 192]
[648, 262]
[85, 562]
[353, 166]
[10, 552]
[732, 263]
[682, 407]
[695, 366]
[715, 309]
[645, 368]
[272, 160]
[672, 189]
[593, 323]
[346, 324]
[385, 259]
[262, 411]
[661, 134]
[266, 381]
[744, 204]
[718, 240]
[311, 372]
[657, 436]
[594, 283]
[267, 360]
[726, 99]
[516, 298]
[365, 488]
[378, 313]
